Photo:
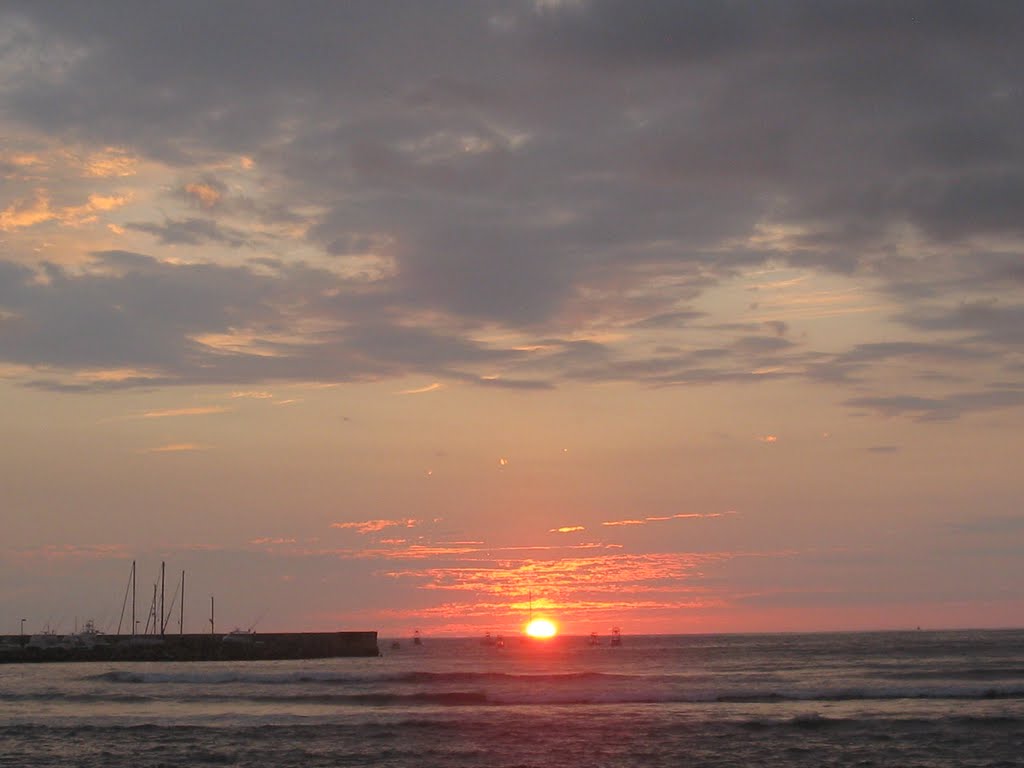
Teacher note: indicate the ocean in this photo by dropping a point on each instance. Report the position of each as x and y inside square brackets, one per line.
[848, 699]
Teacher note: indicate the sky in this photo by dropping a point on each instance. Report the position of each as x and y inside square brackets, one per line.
[672, 316]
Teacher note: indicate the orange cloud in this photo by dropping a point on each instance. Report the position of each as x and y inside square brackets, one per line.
[567, 529]
[74, 551]
[624, 522]
[373, 526]
[165, 414]
[422, 390]
[269, 540]
[26, 213]
[664, 518]
[37, 210]
[517, 577]
[111, 162]
[113, 374]
[179, 448]
[206, 195]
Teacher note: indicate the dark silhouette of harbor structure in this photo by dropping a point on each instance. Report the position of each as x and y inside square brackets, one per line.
[191, 647]
[155, 643]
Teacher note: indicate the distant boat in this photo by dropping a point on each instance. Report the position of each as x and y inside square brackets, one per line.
[89, 636]
[616, 637]
[594, 640]
[45, 639]
[238, 635]
[416, 639]
[499, 642]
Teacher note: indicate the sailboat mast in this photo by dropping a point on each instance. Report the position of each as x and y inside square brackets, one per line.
[134, 623]
[181, 615]
[163, 620]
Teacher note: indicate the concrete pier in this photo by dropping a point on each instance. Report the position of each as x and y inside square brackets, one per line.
[15, 649]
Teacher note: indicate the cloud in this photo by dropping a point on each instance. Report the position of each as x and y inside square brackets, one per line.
[190, 231]
[468, 181]
[953, 353]
[269, 540]
[568, 529]
[986, 320]
[73, 552]
[664, 518]
[179, 448]
[173, 412]
[375, 526]
[617, 573]
[205, 194]
[422, 390]
[942, 408]
[26, 213]
[1000, 525]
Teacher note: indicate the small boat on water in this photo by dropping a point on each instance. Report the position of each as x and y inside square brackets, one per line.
[616, 637]
[594, 639]
[47, 638]
[416, 639]
[88, 637]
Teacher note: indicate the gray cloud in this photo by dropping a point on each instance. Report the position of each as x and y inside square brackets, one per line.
[940, 408]
[884, 449]
[145, 314]
[190, 231]
[985, 320]
[1007, 524]
[542, 169]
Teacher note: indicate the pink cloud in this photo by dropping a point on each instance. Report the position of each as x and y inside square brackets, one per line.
[665, 518]
[74, 551]
[270, 540]
[171, 412]
[373, 526]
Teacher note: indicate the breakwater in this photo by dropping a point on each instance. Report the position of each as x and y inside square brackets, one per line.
[192, 647]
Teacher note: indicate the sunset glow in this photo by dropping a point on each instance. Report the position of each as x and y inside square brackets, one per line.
[673, 319]
[541, 629]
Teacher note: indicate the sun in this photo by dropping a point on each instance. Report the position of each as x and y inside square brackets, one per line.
[541, 628]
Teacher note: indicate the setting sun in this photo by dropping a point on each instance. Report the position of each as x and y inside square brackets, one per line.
[541, 628]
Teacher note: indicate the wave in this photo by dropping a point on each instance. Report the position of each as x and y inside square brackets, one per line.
[371, 730]
[225, 677]
[817, 721]
[117, 698]
[967, 673]
[533, 696]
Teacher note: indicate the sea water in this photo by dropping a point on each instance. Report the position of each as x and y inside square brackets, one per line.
[854, 699]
